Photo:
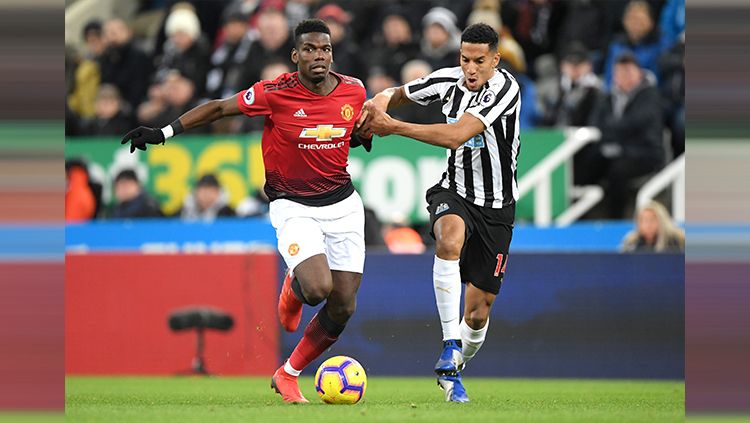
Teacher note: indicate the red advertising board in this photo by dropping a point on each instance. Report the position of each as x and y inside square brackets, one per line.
[31, 311]
[117, 308]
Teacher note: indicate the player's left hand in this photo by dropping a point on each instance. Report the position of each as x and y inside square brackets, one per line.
[141, 136]
[360, 139]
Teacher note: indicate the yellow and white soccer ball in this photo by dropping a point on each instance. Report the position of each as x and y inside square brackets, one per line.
[340, 380]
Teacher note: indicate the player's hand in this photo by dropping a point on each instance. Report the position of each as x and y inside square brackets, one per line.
[361, 139]
[141, 136]
[378, 123]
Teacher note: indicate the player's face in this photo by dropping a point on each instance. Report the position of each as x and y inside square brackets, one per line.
[478, 63]
[313, 56]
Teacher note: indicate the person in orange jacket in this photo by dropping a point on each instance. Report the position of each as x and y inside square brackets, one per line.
[80, 204]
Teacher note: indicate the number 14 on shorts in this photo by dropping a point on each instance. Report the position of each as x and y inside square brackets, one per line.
[502, 261]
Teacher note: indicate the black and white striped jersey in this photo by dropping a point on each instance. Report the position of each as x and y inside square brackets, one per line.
[483, 169]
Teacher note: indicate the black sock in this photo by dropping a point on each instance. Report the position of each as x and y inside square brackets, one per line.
[334, 329]
[297, 289]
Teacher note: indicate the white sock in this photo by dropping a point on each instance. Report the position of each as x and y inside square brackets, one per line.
[471, 339]
[446, 277]
[291, 370]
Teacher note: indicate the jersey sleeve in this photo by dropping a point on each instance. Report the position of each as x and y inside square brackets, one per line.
[430, 88]
[498, 100]
[253, 101]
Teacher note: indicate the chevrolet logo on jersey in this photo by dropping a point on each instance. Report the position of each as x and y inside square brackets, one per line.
[323, 133]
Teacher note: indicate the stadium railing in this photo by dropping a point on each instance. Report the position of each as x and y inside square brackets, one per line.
[673, 174]
[539, 178]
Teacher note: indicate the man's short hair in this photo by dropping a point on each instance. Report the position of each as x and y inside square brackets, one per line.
[310, 25]
[92, 27]
[127, 175]
[480, 33]
[208, 180]
[627, 57]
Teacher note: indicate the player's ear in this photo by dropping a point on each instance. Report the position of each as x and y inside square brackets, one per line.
[295, 58]
[496, 59]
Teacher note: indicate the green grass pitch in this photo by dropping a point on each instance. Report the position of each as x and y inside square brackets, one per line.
[388, 399]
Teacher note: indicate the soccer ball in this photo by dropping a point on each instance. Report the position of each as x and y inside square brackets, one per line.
[340, 380]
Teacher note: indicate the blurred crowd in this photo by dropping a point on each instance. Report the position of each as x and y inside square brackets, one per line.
[617, 65]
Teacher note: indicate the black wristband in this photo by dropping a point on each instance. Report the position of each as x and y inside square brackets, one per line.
[177, 127]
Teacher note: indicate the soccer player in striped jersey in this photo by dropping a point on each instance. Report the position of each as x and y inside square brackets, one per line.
[318, 216]
[472, 207]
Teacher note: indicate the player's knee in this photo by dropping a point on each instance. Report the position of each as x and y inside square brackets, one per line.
[449, 247]
[476, 320]
[477, 317]
[318, 292]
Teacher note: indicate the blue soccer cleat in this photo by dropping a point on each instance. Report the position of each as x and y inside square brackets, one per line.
[451, 359]
[454, 389]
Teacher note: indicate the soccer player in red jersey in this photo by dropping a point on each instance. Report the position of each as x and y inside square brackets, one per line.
[317, 214]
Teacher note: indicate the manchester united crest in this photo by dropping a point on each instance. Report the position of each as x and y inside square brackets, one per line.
[347, 111]
[293, 249]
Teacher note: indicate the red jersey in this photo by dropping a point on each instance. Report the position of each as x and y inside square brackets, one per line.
[305, 136]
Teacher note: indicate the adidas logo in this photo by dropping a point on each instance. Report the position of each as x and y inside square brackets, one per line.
[300, 113]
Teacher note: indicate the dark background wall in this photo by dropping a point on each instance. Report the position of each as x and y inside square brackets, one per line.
[557, 315]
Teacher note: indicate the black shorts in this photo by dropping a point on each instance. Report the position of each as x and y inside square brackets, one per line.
[488, 234]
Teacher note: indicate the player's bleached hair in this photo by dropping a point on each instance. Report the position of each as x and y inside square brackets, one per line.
[480, 33]
[310, 25]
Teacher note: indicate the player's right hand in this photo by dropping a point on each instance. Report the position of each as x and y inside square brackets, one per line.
[141, 136]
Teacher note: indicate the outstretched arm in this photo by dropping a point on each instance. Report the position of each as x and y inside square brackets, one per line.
[384, 100]
[209, 112]
[389, 98]
[197, 116]
[441, 134]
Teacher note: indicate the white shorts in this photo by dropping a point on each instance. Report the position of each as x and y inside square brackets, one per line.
[337, 230]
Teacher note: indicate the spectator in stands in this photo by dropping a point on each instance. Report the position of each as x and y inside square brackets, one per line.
[672, 70]
[672, 23]
[93, 39]
[84, 71]
[228, 58]
[412, 70]
[80, 203]
[400, 238]
[254, 205]
[655, 232]
[578, 90]
[122, 64]
[440, 38]
[641, 37]
[131, 200]
[186, 50]
[168, 101]
[378, 81]
[509, 49]
[590, 23]
[274, 42]
[534, 24]
[209, 12]
[393, 46]
[111, 116]
[631, 143]
[298, 10]
[373, 229]
[207, 202]
[348, 59]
